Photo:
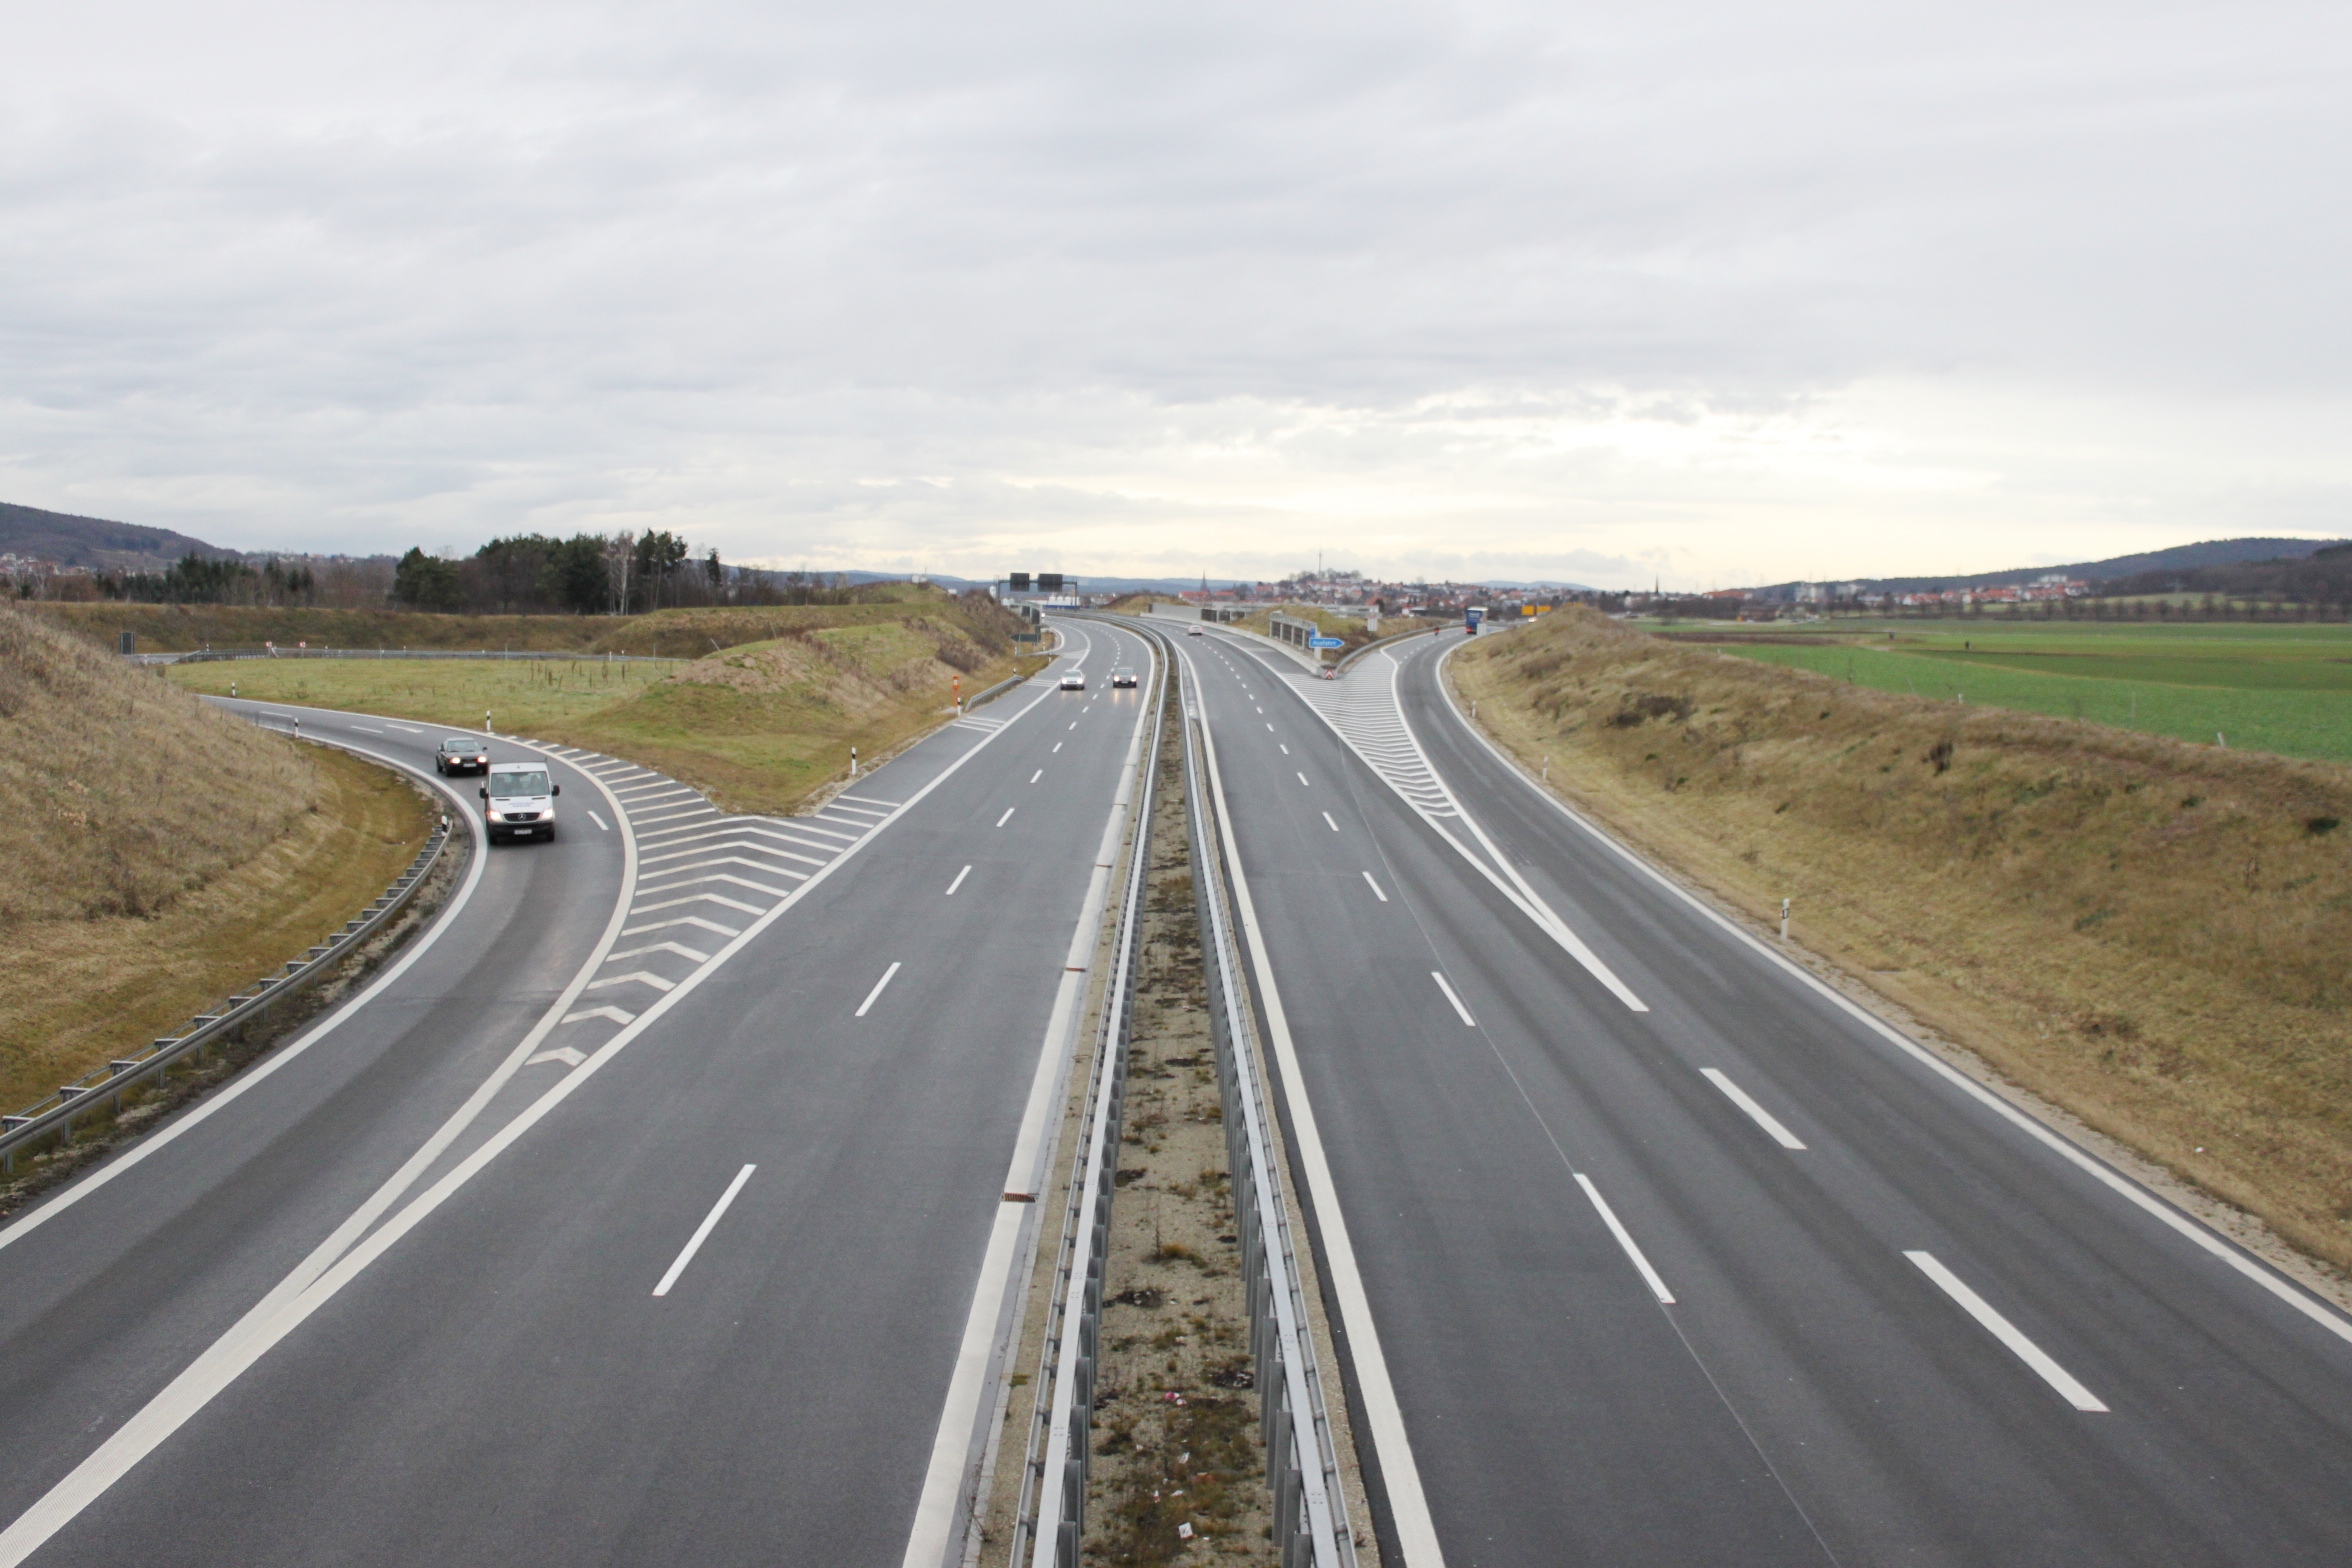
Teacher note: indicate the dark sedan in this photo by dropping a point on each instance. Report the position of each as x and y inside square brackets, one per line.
[462, 754]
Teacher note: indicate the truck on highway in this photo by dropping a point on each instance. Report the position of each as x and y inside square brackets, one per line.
[518, 801]
[1470, 619]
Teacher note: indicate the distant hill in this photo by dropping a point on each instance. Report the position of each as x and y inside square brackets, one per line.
[2147, 564]
[93, 541]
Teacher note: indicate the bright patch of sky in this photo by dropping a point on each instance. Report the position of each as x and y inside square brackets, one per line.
[1720, 293]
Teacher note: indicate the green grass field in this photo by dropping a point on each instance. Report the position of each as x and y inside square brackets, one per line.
[2282, 688]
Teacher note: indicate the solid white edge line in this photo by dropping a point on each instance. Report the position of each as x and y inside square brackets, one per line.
[1447, 988]
[2185, 1225]
[1520, 891]
[1375, 887]
[1625, 1240]
[1505, 881]
[290, 1306]
[1762, 1117]
[2007, 1333]
[1408, 1505]
[958, 1447]
[702, 1231]
[958, 882]
[599, 821]
[875, 994]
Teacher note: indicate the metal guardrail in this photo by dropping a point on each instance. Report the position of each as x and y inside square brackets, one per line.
[55, 1114]
[1310, 1525]
[1302, 1459]
[1050, 1517]
[994, 692]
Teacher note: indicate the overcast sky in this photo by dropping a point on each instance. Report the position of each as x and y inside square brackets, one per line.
[1723, 293]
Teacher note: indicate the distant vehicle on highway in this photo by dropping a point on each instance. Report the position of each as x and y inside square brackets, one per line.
[461, 754]
[1122, 676]
[1074, 680]
[1193, 631]
[519, 801]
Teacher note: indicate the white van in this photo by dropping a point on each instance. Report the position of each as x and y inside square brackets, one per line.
[519, 801]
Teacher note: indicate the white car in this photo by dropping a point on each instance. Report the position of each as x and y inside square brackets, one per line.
[518, 801]
[1194, 632]
[1122, 676]
[1074, 680]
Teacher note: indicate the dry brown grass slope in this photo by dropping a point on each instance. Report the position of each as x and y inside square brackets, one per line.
[2151, 934]
[159, 854]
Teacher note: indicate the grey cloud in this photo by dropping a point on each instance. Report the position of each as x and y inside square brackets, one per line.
[382, 273]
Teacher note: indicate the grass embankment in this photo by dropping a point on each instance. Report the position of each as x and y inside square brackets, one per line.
[762, 726]
[161, 855]
[681, 634]
[2149, 934]
[2282, 688]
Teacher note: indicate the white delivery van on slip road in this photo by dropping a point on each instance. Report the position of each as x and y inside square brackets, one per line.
[519, 801]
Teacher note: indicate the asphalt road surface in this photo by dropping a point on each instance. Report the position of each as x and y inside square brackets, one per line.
[1673, 1259]
[639, 1217]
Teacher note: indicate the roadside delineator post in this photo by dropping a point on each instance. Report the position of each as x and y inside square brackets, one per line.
[1784, 914]
[853, 762]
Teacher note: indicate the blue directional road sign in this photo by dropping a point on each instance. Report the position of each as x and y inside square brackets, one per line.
[1325, 642]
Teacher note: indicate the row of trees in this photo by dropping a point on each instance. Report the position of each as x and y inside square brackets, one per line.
[593, 574]
[197, 579]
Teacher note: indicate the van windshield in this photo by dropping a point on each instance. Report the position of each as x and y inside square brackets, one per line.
[531, 783]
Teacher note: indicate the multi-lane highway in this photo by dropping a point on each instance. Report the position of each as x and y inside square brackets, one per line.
[1647, 1249]
[652, 1208]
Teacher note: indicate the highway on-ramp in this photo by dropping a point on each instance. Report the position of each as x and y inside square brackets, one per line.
[643, 1212]
[1669, 1256]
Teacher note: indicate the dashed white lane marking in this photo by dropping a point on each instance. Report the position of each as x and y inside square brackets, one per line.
[702, 1231]
[1383, 897]
[1057, 745]
[682, 920]
[1763, 1118]
[959, 881]
[2006, 1332]
[562, 1053]
[1034, 777]
[599, 821]
[661, 947]
[1625, 1240]
[409, 728]
[614, 1013]
[1334, 825]
[1444, 985]
[875, 995]
[367, 729]
[1285, 749]
[1303, 784]
[1269, 729]
[1008, 816]
[1073, 724]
